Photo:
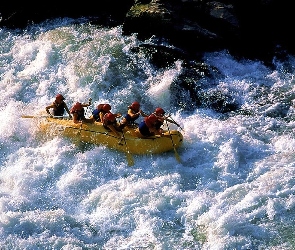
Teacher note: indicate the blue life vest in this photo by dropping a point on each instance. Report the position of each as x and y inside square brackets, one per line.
[129, 119]
[95, 114]
[144, 129]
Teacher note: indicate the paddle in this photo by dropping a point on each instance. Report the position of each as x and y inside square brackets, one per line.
[81, 127]
[176, 154]
[128, 155]
[172, 120]
[43, 116]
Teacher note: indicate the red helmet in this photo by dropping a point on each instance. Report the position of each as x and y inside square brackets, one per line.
[106, 108]
[150, 120]
[159, 111]
[99, 106]
[59, 97]
[135, 105]
[109, 117]
[77, 106]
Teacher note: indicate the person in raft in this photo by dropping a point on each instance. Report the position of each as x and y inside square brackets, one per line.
[58, 106]
[78, 112]
[132, 115]
[148, 127]
[160, 114]
[100, 111]
[95, 113]
[110, 123]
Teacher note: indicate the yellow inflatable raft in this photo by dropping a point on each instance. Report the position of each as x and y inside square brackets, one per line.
[95, 133]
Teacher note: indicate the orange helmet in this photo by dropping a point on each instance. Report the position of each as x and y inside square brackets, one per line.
[77, 106]
[106, 108]
[110, 117]
[135, 105]
[159, 111]
[150, 120]
[59, 97]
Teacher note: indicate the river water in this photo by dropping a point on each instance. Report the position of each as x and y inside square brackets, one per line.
[234, 187]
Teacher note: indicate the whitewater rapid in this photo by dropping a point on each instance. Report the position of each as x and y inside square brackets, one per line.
[234, 187]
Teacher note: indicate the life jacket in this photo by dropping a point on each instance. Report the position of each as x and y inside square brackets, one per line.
[129, 119]
[144, 129]
[79, 110]
[95, 113]
[146, 124]
[59, 108]
[158, 124]
[150, 120]
[80, 114]
[103, 114]
[159, 112]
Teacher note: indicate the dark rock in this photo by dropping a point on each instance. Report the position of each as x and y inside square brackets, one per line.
[194, 88]
[247, 28]
[160, 56]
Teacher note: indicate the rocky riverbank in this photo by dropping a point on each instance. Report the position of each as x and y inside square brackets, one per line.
[247, 28]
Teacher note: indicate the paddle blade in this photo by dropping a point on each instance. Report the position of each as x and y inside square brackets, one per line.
[130, 159]
[129, 156]
[177, 155]
[43, 116]
[29, 116]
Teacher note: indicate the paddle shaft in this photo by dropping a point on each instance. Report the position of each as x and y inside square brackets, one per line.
[176, 154]
[129, 156]
[43, 116]
[172, 120]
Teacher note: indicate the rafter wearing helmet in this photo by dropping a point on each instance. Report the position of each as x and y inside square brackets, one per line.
[148, 126]
[100, 111]
[110, 123]
[160, 114]
[95, 113]
[78, 112]
[58, 107]
[132, 115]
